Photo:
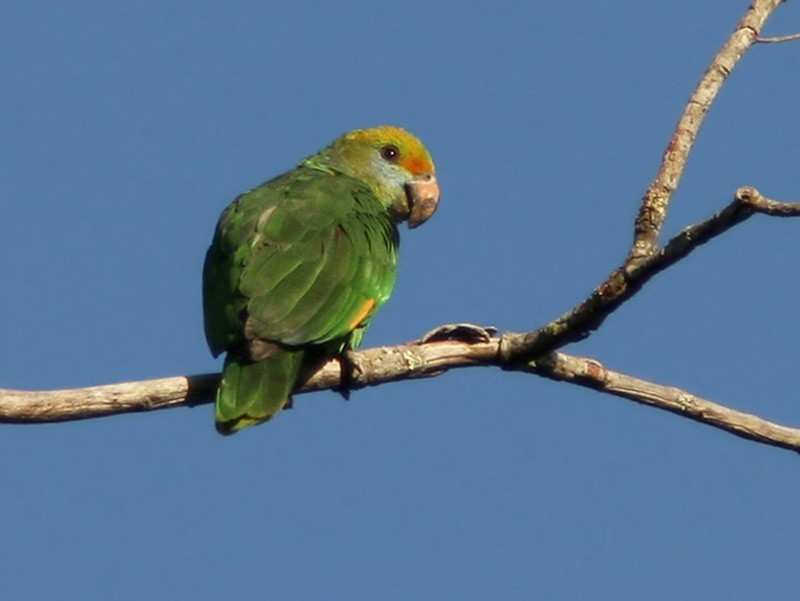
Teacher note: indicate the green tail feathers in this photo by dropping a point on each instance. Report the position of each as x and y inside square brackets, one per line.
[252, 392]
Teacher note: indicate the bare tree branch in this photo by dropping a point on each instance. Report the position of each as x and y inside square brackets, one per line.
[645, 259]
[592, 374]
[656, 199]
[578, 323]
[371, 368]
[531, 352]
[382, 365]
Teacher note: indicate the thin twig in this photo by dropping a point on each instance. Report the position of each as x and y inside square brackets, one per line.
[778, 38]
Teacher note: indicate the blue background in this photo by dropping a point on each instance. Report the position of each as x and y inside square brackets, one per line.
[127, 127]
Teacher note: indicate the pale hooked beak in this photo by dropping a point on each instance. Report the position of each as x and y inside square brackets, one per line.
[423, 198]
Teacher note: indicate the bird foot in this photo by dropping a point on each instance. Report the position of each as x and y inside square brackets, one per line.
[348, 368]
[461, 332]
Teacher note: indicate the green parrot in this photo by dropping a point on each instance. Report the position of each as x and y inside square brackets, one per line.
[300, 265]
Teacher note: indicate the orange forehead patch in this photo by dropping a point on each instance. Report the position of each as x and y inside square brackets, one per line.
[414, 156]
[416, 164]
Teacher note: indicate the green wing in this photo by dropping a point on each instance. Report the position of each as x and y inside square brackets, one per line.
[304, 260]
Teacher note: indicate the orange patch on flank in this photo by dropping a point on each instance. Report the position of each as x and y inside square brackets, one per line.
[362, 313]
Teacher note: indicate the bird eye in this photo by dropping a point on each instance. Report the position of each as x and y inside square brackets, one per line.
[390, 152]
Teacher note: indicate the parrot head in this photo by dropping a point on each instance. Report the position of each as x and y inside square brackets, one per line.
[393, 163]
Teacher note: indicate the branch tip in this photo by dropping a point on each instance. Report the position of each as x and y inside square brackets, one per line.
[747, 195]
[759, 203]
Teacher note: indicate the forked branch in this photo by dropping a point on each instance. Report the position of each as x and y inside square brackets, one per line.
[656, 199]
[532, 352]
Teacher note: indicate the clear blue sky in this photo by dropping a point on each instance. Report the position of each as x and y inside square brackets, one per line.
[127, 127]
